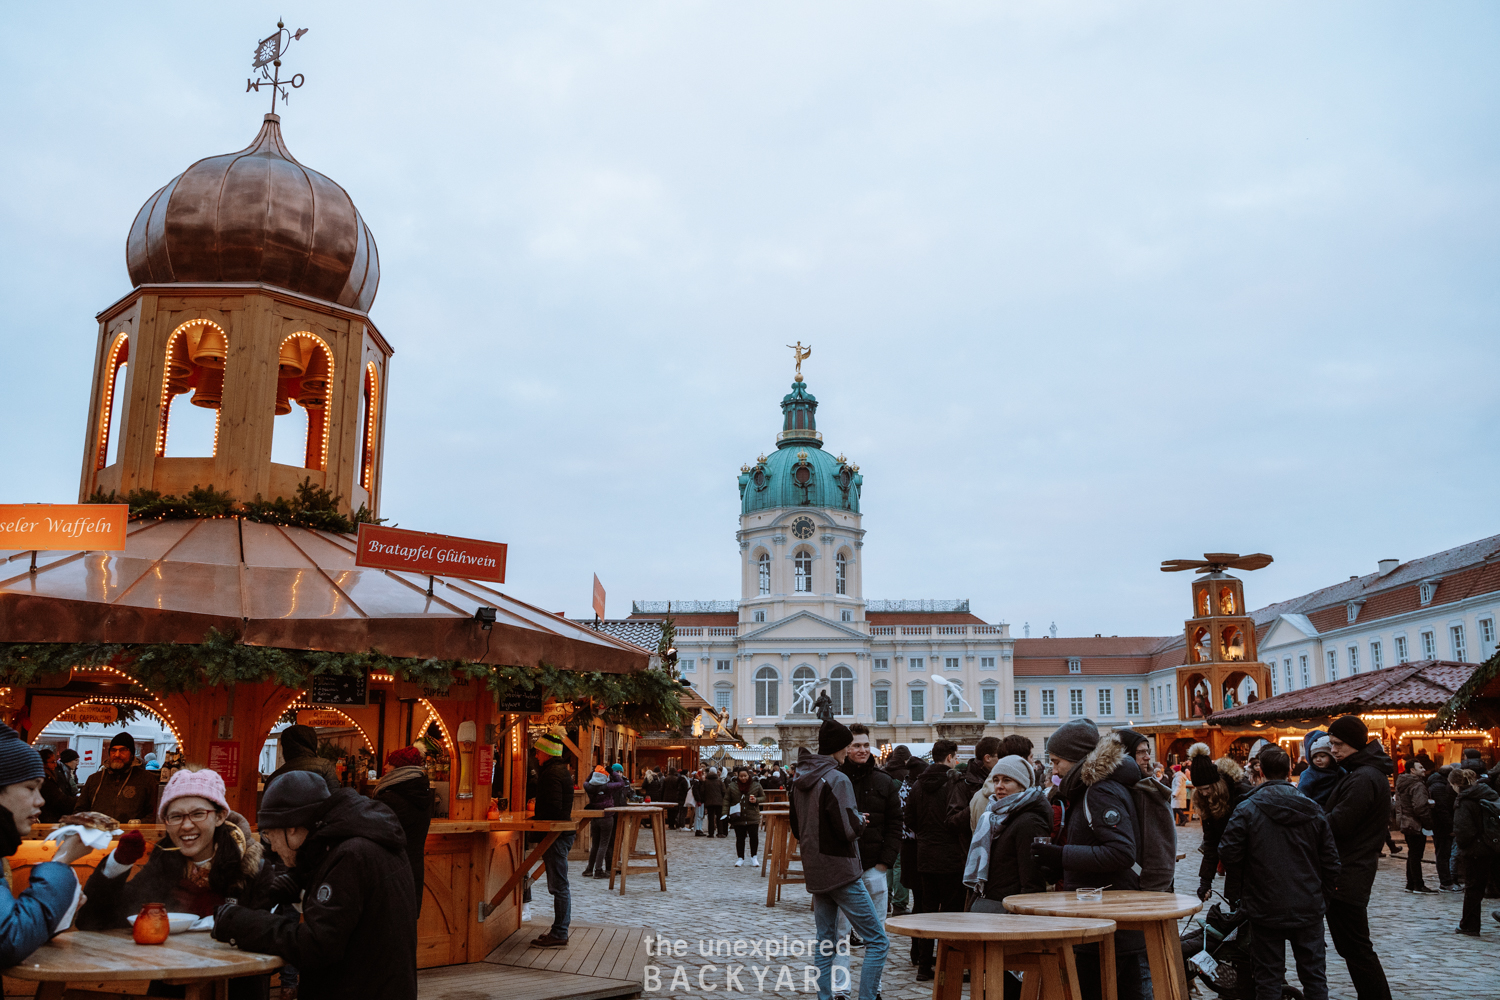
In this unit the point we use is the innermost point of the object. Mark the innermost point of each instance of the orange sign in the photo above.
(66, 526)
(598, 597)
(103, 715)
(430, 555)
(322, 719)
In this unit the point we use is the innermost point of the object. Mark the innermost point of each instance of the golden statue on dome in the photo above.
(802, 354)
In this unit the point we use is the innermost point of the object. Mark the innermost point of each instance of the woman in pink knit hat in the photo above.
(212, 857)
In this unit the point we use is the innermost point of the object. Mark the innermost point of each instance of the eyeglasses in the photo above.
(197, 816)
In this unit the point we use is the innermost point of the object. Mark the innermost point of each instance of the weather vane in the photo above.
(268, 52)
(802, 353)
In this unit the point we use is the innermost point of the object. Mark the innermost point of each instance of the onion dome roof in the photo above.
(800, 473)
(256, 215)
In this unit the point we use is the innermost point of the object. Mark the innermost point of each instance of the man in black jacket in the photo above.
(551, 785)
(879, 801)
(942, 845)
(1359, 811)
(1281, 841)
(356, 937)
(1442, 827)
(121, 788)
(1098, 840)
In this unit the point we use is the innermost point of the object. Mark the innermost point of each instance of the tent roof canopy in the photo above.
(1423, 687)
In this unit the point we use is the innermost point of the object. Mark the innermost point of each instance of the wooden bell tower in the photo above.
(1222, 669)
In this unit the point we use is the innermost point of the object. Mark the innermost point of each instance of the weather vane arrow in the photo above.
(268, 53)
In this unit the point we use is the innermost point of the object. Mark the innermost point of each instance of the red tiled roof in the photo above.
(1423, 686)
(923, 618)
(1128, 654)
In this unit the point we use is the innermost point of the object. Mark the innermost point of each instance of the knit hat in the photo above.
(405, 757)
(205, 784)
(833, 736)
(1201, 766)
(549, 744)
(1351, 730)
(18, 761)
(617, 768)
(67, 756)
(1018, 769)
(1176, 768)
(123, 740)
(296, 798)
(1320, 745)
(1073, 741)
(598, 778)
(1130, 739)
(599, 769)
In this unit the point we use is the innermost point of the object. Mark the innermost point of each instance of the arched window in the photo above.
(767, 690)
(367, 446)
(763, 573)
(802, 569)
(841, 690)
(841, 573)
(195, 357)
(804, 689)
(951, 702)
(112, 406)
(305, 372)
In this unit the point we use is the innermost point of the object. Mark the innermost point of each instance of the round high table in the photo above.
(194, 960)
(1155, 913)
(989, 943)
(627, 827)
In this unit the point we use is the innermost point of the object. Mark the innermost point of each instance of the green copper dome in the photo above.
(799, 473)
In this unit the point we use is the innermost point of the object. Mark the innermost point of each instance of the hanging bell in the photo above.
(209, 349)
(293, 360)
(178, 365)
(177, 386)
(316, 376)
(283, 403)
(210, 391)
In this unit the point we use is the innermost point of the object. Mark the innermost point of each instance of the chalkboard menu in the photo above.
(520, 703)
(334, 690)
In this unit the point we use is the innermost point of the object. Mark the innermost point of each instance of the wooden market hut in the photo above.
(1396, 703)
(1473, 709)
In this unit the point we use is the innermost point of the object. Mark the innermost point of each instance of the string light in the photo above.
(433, 716)
(106, 414)
(166, 397)
(372, 397)
(301, 706)
(318, 342)
(155, 708)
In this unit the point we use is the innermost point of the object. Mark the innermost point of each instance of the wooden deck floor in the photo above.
(599, 962)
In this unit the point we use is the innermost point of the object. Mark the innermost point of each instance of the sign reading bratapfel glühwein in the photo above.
(430, 555)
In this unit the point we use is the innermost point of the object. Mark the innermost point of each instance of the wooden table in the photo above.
(628, 821)
(1155, 913)
(193, 960)
(780, 809)
(778, 853)
(989, 943)
(550, 829)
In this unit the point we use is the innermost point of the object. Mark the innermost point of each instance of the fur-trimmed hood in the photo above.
(1108, 760)
(1230, 768)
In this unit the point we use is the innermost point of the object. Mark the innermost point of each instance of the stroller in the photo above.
(1225, 938)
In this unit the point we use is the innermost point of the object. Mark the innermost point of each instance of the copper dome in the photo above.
(256, 215)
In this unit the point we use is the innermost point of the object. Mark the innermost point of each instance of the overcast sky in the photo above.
(1089, 285)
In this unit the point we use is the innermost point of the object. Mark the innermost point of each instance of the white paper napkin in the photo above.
(97, 839)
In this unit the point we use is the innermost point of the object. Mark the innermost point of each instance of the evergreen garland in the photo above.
(642, 700)
(313, 507)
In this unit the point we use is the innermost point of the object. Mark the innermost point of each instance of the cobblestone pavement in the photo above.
(708, 899)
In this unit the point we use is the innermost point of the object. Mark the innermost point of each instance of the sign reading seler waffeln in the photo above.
(430, 555)
(63, 526)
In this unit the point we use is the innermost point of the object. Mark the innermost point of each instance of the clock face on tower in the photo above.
(803, 528)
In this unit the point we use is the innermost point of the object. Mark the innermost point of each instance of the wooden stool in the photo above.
(628, 827)
(781, 850)
(988, 944)
(765, 844)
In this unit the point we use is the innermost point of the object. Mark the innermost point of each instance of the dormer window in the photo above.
(1352, 609)
(1426, 591)
(1075, 665)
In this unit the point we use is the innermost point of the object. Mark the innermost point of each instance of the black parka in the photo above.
(127, 794)
(1013, 868)
(299, 752)
(551, 785)
(941, 847)
(412, 802)
(1098, 832)
(1359, 811)
(1442, 796)
(1468, 818)
(879, 797)
(1280, 842)
(1216, 802)
(357, 936)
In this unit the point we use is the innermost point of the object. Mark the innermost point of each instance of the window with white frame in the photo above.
(1018, 703)
(882, 663)
(1275, 683)
(918, 698)
(1106, 702)
(841, 690)
(950, 663)
(1075, 702)
(804, 690)
(802, 571)
(1169, 698)
(952, 702)
(1402, 655)
(1426, 591)
(759, 616)
(915, 663)
(723, 666)
(767, 691)
(1486, 637)
(1049, 703)
(1353, 660)
(688, 666)
(1075, 665)
(841, 574)
(1429, 645)
(1287, 669)
(1154, 695)
(1132, 701)
(986, 663)
(1333, 664)
(1456, 639)
(846, 615)
(1377, 659)
(988, 704)
(1302, 662)
(723, 700)
(763, 572)
(882, 704)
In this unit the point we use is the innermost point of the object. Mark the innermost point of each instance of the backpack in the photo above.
(1489, 829)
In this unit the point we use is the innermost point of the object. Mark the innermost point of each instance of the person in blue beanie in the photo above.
(47, 906)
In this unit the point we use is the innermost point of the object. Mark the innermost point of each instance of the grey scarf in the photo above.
(977, 865)
(399, 775)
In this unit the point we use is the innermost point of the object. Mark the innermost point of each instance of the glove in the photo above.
(1049, 856)
(1205, 889)
(130, 848)
(284, 889)
(220, 930)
